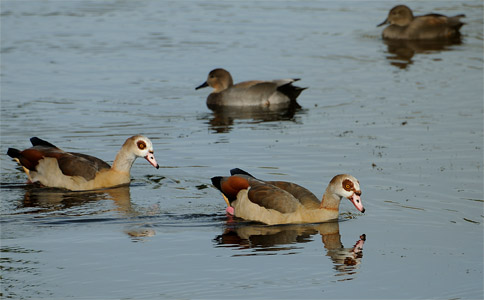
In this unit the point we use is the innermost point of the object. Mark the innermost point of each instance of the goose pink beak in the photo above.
(151, 159)
(356, 200)
(230, 210)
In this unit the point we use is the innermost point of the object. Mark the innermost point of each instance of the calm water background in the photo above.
(85, 75)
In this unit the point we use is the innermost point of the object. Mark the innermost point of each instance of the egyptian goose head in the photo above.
(135, 146)
(343, 186)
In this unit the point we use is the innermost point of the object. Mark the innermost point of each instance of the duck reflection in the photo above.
(222, 119)
(264, 239)
(403, 50)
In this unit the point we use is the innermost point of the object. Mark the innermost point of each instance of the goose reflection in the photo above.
(266, 240)
(47, 200)
(222, 119)
(404, 50)
(52, 199)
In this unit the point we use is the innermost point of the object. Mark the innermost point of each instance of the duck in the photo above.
(404, 26)
(50, 166)
(254, 93)
(281, 202)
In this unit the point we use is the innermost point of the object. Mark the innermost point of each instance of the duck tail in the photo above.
(292, 92)
(238, 171)
(40, 142)
(455, 21)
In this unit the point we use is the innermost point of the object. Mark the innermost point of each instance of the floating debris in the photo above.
(471, 221)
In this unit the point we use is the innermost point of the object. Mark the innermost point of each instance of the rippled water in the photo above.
(406, 120)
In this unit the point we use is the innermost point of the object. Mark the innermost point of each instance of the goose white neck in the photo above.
(330, 200)
(124, 160)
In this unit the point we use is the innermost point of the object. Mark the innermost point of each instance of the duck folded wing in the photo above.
(431, 20)
(259, 89)
(77, 164)
(281, 82)
(267, 88)
(441, 19)
(434, 26)
(272, 197)
(265, 85)
(255, 95)
(248, 84)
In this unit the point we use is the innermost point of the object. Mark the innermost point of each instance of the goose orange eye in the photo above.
(347, 185)
(141, 145)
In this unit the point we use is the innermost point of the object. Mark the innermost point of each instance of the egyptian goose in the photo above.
(280, 92)
(280, 202)
(404, 26)
(52, 167)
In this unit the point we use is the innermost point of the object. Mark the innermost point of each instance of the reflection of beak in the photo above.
(356, 200)
(205, 84)
(383, 23)
(151, 159)
(358, 247)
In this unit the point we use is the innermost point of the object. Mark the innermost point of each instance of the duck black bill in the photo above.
(205, 84)
(382, 23)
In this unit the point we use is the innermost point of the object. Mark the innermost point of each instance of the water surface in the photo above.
(406, 121)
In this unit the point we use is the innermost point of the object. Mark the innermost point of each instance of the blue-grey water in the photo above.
(407, 122)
